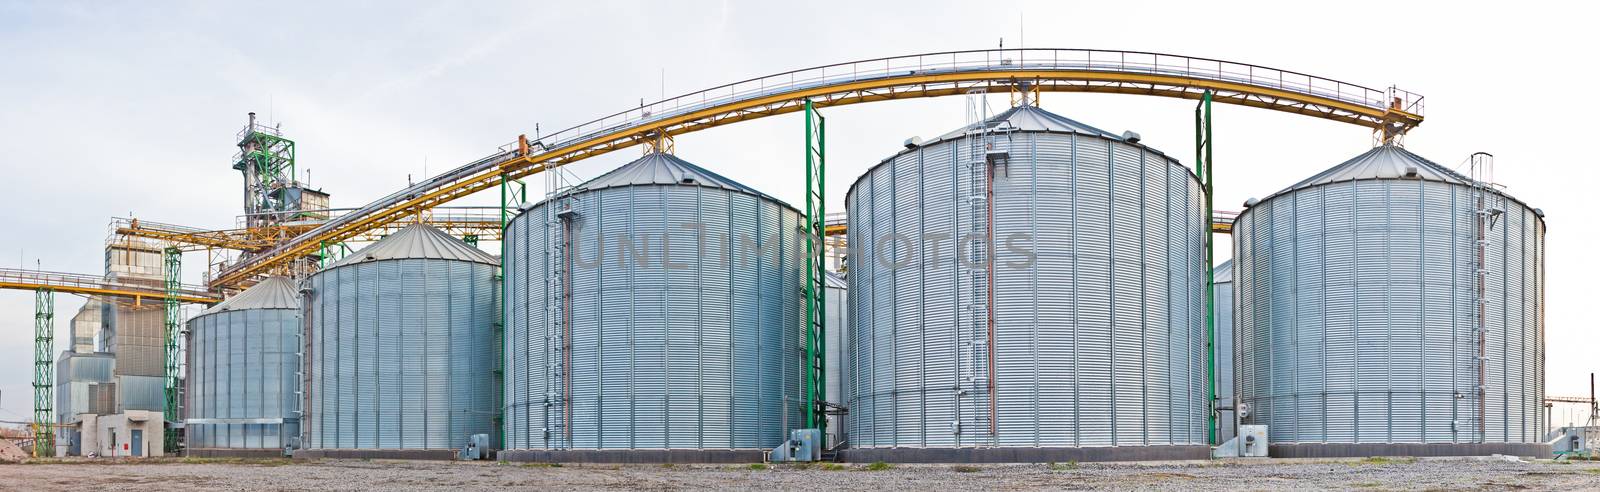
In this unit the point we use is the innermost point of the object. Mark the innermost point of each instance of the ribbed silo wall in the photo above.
(1099, 342)
(1223, 351)
(838, 331)
(243, 379)
(402, 355)
(699, 362)
(1355, 311)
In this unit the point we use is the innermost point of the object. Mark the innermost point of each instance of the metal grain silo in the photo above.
(401, 340)
(655, 315)
(1222, 348)
(244, 366)
(1086, 342)
(837, 332)
(1359, 313)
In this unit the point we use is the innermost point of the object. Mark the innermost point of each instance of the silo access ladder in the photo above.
(988, 146)
(1488, 204)
(559, 214)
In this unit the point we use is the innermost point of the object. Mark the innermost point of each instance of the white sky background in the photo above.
(110, 108)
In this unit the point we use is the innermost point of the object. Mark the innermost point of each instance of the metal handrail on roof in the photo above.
(921, 75)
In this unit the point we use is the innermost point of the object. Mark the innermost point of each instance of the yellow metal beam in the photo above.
(897, 85)
(138, 295)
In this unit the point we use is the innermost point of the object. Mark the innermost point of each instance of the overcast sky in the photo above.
(112, 108)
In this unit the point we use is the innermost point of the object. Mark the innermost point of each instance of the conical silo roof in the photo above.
(1222, 273)
(664, 169)
(836, 281)
(1034, 118)
(272, 293)
(1385, 162)
(419, 241)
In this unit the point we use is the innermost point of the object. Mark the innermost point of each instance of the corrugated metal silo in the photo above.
(244, 362)
(1222, 348)
(655, 315)
(1356, 313)
(1096, 299)
(402, 348)
(838, 330)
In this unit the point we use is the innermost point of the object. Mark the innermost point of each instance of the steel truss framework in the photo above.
(1389, 112)
(44, 313)
(172, 269)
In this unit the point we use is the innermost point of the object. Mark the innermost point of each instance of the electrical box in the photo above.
(1253, 441)
(803, 445)
(477, 448)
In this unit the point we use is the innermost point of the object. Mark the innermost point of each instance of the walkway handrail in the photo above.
(1109, 61)
(923, 75)
(14, 278)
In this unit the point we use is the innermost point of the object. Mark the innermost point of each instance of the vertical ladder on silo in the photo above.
(975, 245)
(1487, 206)
(558, 343)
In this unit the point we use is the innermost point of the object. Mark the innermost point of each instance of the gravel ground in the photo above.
(1377, 474)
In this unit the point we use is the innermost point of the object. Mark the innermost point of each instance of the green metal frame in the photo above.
(272, 156)
(172, 263)
(512, 192)
(816, 391)
(44, 335)
(331, 252)
(1202, 168)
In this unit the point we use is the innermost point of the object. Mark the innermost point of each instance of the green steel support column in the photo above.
(173, 263)
(1202, 168)
(816, 276)
(44, 335)
(508, 195)
(500, 325)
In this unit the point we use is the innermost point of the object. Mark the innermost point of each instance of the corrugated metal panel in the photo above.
(402, 353)
(80, 367)
(140, 393)
(1223, 344)
(697, 356)
(86, 325)
(838, 331)
(1097, 339)
(136, 337)
(1355, 311)
(244, 365)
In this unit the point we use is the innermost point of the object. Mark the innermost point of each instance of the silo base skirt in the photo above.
(233, 453)
(1025, 455)
(381, 454)
(1349, 450)
(635, 455)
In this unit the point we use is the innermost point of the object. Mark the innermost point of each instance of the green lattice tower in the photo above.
(1202, 168)
(512, 192)
(265, 159)
(44, 335)
(173, 268)
(816, 391)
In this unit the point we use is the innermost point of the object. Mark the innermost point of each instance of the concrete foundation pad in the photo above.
(1358, 450)
(232, 453)
(637, 456)
(379, 454)
(1025, 455)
